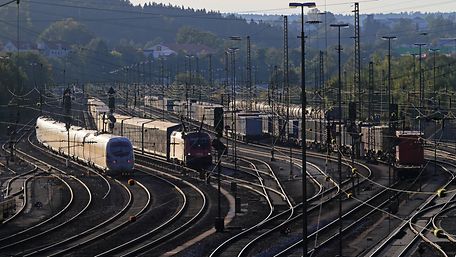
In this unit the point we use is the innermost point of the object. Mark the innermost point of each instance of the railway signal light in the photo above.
(67, 100)
(111, 103)
(352, 111)
(112, 118)
(441, 192)
(112, 121)
(438, 233)
(111, 100)
(111, 91)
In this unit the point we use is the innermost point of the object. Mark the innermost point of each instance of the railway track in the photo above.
(240, 243)
(405, 233)
(345, 189)
(190, 211)
(68, 216)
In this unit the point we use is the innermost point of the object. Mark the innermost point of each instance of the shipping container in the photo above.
(375, 138)
(250, 127)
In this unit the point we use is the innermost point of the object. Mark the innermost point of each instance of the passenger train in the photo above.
(109, 153)
(160, 138)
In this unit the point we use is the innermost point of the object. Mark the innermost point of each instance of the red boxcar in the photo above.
(409, 151)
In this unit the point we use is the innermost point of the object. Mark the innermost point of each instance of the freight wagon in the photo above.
(249, 126)
(409, 153)
(164, 139)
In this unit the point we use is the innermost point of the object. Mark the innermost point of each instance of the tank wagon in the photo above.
(111, 154)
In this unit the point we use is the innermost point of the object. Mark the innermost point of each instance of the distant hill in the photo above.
(117, 20)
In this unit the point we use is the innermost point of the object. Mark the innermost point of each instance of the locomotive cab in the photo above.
(198, 149)
(192, 149)
(119, 155)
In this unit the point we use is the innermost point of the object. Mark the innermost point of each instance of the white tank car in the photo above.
(112, 154)
(279, 108)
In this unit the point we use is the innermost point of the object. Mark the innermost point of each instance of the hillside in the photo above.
(119, 20)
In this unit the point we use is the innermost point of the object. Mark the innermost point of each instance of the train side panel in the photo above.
(85, 145)
(177, 147)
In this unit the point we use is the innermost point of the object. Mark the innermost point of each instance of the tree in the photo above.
(189, 35)
(68, 31)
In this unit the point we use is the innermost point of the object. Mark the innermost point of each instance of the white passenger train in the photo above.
(112, 154)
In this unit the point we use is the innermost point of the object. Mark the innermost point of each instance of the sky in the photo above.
(335, 6)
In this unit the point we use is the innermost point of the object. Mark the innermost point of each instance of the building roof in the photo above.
(194, 49)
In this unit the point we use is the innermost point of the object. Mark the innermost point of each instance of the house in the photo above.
(162, 50)
(192, 49)
(53, 50)
(157, 51)
(10, 47)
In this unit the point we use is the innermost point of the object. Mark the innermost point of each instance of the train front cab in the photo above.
(119, 156)
(198, 150)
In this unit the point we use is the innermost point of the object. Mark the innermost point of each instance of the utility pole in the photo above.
(339, 134)
(232, 51)
(211, 79)
(197, 77)
(249, 72)
(286, 85)
(127, 84)
(414, 55)
(274, 88)
(421, 102)
(218, 145)
(11, 129)
(227, 78)
(321, 93)
(150, 73)
(370, 101)
(136, 86)
(112, 107)
(390, 110)
(382, 92)
(68, 119)
(303, 122)
(188, 83)
(357, 70)
(162, 75)
(42, 82)
(434, 52)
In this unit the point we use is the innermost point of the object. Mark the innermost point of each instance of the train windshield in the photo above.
(199, 142)
(120, 149)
